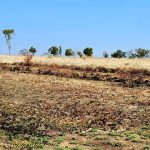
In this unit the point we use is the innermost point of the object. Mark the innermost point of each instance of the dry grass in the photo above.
(93, 62)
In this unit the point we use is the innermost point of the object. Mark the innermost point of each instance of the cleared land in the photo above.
(52, 110)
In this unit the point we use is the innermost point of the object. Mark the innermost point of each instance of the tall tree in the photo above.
(8, 36)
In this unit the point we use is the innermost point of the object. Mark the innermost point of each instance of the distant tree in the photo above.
(131, 54)
(24, 52)
(32, 50)
(54, 50)
(88, 51)
(69, 52)
(118, 54)
(60, 50)
(105, 54)
(8, 36)
(80, 54)
(140, 52)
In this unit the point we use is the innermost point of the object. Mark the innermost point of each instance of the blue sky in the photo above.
(104, 25)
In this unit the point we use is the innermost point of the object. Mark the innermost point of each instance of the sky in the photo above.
(104, 25)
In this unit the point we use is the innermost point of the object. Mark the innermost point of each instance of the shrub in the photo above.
(88, 51)
(69, 52)
(28, 61)
(118, 54)
(54, 50)
(105, 54)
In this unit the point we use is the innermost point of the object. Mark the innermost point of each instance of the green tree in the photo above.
(69, 52)
(140, 52)
(118, 54)
(88, 51)
(8, 36)
(32, 50)
(54, 50)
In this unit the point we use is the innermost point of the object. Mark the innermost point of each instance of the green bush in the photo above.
(69, 52)
(54, 50)
(88, 51)
(118, 54)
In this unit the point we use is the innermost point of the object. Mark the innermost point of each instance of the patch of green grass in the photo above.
(143, 134)
(73, 142)
(146, 127)
(83, 133)
(146, 147)
(62, 148)
(67, 148)
(93, 130)
(115, 134)
(101, 138)
(20, 141)
(98, 148)
(76, 148)
(114, 143)
(133, 137)
(60, 139)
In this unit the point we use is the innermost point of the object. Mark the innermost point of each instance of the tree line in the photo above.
(57, 51)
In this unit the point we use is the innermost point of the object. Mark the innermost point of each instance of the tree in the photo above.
(140, 52)
(131, 54)
(8, 36)
(24, 52)
(54, 50)
(32, 50)
(69, 52)
(105, 54)
(60, 50)
(80, 54)
(118, 54)
(88, 51)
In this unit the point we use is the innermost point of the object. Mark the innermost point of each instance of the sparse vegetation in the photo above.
(34, 114)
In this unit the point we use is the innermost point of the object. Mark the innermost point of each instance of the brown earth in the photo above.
(127, 77)
(46, 100)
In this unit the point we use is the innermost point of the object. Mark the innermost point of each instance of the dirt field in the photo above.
(49, 107)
